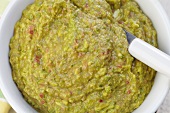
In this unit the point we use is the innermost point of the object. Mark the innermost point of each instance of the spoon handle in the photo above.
(150, 55)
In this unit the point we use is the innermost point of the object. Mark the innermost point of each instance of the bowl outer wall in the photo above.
(13, 13)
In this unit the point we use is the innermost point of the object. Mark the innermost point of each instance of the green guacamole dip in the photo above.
(70, 56)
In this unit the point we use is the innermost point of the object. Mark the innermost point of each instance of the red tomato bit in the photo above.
(37, 59)
(87, 5)
(42, 102)
(127, 82)
(31, 30)
(41, 95)
(100, 101)
(129, 92)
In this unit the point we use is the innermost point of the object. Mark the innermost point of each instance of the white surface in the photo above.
(165, 107)
(151, 7)
(151, 56)
(3, 4)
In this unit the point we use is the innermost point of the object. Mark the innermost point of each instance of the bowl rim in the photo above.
(12, 103)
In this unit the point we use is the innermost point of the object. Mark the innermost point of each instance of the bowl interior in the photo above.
(12, 14)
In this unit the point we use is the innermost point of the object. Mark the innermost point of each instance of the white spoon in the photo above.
(148, 54)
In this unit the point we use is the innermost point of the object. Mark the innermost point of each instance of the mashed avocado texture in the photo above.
(70, 56)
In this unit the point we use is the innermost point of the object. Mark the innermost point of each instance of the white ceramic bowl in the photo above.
(151, 7)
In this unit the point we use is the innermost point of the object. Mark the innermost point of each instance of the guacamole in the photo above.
(70, 56)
